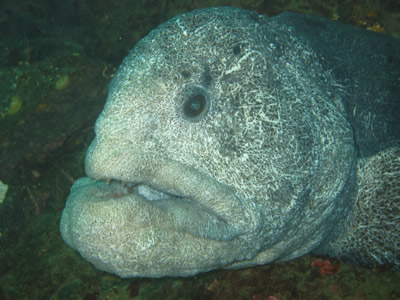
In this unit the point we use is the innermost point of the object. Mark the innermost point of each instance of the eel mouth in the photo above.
(173, 209)
(184, 198)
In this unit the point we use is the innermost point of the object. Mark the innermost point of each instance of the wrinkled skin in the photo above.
(231, 140)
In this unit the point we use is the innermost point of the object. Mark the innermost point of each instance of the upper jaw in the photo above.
(175, 187)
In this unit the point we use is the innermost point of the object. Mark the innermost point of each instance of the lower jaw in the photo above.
(120, 231)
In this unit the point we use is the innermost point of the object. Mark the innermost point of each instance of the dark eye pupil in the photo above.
(196, 102)
(195, 106)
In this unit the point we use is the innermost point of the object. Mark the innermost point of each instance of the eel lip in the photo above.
(168, 209)
(147, 192)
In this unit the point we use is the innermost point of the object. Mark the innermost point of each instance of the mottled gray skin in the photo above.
(295, 109)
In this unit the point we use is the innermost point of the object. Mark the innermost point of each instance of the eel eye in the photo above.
(196, 104)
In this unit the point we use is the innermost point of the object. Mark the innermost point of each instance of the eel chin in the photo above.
(141, 229)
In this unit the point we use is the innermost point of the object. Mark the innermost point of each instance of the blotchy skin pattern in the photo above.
(269, 169)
